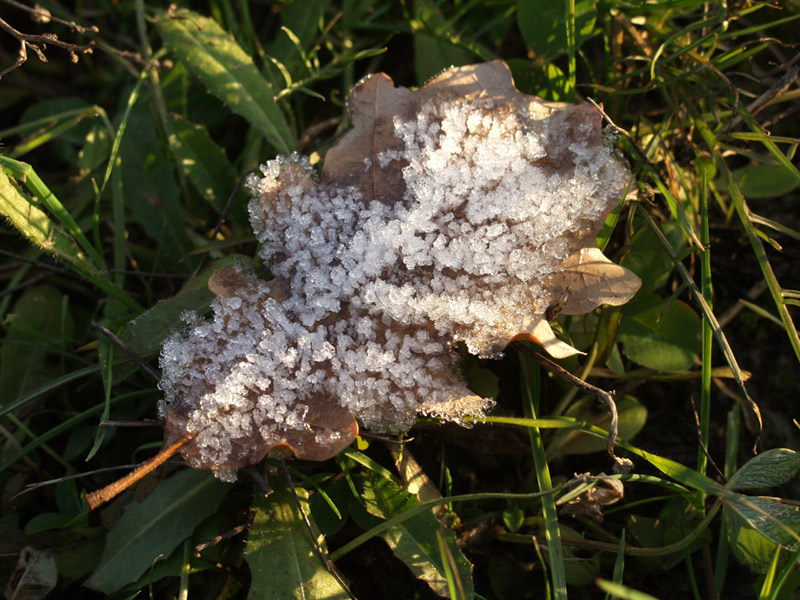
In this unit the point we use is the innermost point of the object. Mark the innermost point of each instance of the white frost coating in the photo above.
(378, 292)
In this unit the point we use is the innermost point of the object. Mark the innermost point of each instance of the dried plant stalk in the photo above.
(109, 492)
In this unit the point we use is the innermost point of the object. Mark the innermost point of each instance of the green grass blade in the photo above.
(66, 426)
(531, 390)
(212, 55)
(619, 562)
(769, 578)
(571, 47)
(617, 590)
(675, 208)
(54, 127)
(743, 212)
(455, 586)
(50, 386)
(788, 569)
(707, 331)
(106, 352)
(708, 313)
(123, 125)
(28, 176)
(40, 230)
(47, 449)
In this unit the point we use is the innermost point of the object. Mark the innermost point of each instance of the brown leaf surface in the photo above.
(458, 212)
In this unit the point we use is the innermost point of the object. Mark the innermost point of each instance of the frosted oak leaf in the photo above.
(458, 212)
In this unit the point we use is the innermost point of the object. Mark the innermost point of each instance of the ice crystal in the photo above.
(459, 212)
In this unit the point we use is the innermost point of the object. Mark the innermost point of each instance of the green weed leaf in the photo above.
(145, 334)
(632, 417)
(432, 55)
(96, 148)
(756, 525)
(151, 191)
(672, 524)
(283, 559)
(649, 259)
(35, 322)
(414, 541)
(38, 577)
(758, 180)
(750, 548)
(545, 81)
(203, 161)
(212, 55)
(768, 469)
(156, 527)
(670, 343)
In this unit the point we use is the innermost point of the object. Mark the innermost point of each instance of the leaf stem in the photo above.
(107, 493)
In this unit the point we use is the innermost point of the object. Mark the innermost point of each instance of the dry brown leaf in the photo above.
(608, 490)
(459, 212)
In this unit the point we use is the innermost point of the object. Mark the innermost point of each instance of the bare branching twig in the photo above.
(621, 465)
(38, 43)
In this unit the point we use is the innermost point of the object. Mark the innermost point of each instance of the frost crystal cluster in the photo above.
(459, 212)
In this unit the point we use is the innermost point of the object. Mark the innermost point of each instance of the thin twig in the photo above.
(764, 99)
(213, 542)
(45, 16)
(33, 40)
(142, 423)
(621, 465)
(702, 442)
(105, 494)
(40, 484)
(130, 353)
(38, 42)
(223, 215)
(33, 261)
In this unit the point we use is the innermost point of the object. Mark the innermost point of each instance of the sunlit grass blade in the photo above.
(531, 391)
(707, 331)
(763, 262)
(40, 230)
(455, 586)
(617, 590)
(675, 208)
(49, 128)
(743, 212)
(783, 576)
(25, 173)
(707, 312)
(769, 577)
